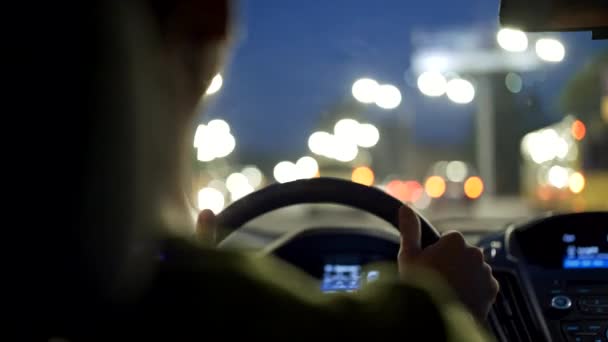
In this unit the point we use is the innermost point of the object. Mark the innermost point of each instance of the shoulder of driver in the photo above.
(232, 292)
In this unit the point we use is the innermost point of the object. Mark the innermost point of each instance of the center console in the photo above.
(557, 279)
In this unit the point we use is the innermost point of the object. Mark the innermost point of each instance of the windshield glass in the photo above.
(430, 100)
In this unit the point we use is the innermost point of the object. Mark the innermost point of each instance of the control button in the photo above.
(593, 327)
(561, 302)
(583, 338)
(572, 328)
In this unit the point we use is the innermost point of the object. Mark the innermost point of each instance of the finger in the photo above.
(409, 226)
(206, 227)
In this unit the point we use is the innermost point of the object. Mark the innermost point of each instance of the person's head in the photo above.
(194, 35)
(145, 66)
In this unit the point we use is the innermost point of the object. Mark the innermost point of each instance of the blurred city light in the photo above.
(558, 176)
(440, 168)
(408, 191)
(237, 181)
(347, 129)
(224, 145)
(456, 171)
(545, 145)
(512, 40)
(513, 82)
(343, 151)
(368, 135)
(396, 188)
(285, 171)
(306, 167)
(318, 142)
(363, 175)
(242, 191)
(254, 176)
(219, 126)
(205, 155)
(435, 186)
(460, 91)
(432, 83)
(473, 187)
(550, 50)
(212, 199)
(576, 182)
(388, 97)
(422, 202)
(238, 185)
(413, 190)
(364, 90)
(578, 130)
(216, 84)
(213, 140)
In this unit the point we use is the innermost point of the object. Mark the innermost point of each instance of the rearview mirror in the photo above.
(555, 15)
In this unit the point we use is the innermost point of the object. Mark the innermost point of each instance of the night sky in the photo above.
(295, 58)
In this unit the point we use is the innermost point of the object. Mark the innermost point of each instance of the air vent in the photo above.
(512, 319)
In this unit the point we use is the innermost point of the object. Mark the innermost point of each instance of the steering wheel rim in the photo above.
(317, 190)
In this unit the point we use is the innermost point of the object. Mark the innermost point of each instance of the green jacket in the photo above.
(208, 291)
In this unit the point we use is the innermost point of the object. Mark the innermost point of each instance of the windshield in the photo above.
(431, 101)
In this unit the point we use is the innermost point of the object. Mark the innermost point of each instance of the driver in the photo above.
(153, 59)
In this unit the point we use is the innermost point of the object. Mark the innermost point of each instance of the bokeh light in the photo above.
(364, 90)
(578, 130)
(550, 50)
(435, 186)
(254, 176)
(432, 83)
(423, 202)
(576, 182)
(319, 142)
(512, 40)
(456, 171)
(388, 97)
(236, 181)
(212, 199)
(558, 176)
(545, 145)
(513, 82)
(285, 171)
(219, 126)
(213, 140)
(460, 91)
(347, 129)
(307, 167)
(363, 175)
(215, 85)
(473, 187)
(368, 135)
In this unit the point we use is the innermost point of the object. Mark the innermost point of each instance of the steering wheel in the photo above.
(317, 190)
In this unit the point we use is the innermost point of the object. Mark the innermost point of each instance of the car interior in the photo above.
(488, 118)
(552, 265)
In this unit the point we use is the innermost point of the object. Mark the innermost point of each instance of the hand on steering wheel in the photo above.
(460, 264)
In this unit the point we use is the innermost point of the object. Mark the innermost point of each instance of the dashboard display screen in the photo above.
(567, 242)
(585, 251)
(345, 278)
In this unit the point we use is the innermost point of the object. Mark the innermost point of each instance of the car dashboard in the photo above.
(553, 272)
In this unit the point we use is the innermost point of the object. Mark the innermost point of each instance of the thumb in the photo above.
(409, 226)
(206, 227)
